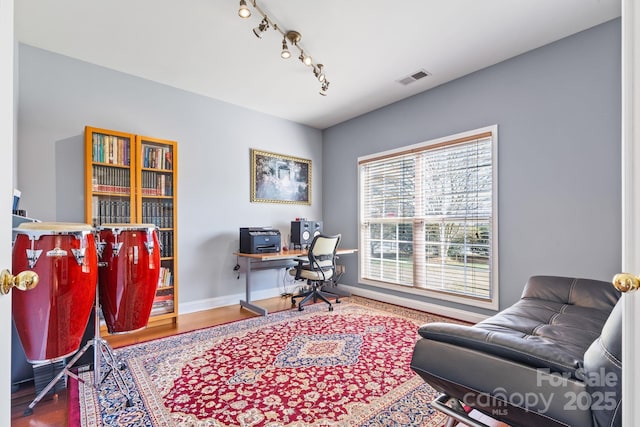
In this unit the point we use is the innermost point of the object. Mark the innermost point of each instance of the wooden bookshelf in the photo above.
(157, 204)
(132, 179)
(109, 177)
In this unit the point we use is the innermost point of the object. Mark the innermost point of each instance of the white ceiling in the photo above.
(202, 46)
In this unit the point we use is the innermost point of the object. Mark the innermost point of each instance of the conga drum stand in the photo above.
(102, 351)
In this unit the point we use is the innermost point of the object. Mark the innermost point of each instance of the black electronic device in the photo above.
(303, 232)
(258, 240)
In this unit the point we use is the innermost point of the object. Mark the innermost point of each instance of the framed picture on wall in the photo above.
(277, 178)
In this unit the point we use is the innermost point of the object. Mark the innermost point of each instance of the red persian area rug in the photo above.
(348, 367)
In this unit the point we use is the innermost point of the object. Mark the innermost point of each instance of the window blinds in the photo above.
(426, 216)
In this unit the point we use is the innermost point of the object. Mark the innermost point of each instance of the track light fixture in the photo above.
(244, 11)
(264, 26)
(324, 88)
(317, 71)
(285, 54)
(292, 37)
(306, 59)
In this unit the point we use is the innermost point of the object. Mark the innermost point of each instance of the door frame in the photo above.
(7, 126)
(630, 207)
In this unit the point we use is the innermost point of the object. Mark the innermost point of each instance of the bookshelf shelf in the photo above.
(110, 193)
(111, 165)
(157, 170)
(132, 179)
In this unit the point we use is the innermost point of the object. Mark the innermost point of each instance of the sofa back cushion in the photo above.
(577, 292)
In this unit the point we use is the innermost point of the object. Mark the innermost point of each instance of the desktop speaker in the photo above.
(303, 232)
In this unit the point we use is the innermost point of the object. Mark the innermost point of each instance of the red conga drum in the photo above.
(52, 317)
(129, 274)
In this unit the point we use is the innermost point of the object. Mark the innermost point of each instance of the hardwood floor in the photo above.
(52, 411)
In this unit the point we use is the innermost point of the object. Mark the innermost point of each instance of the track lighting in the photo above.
(285, 54)
(292, 37)
(264, 26)
(324, 88)
(306, 59)
(317, 71)
(244, 11)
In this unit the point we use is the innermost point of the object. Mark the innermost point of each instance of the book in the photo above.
(16, 199)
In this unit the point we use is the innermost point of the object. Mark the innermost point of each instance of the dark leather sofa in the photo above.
(554, 358)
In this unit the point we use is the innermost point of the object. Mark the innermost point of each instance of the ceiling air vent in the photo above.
(414, 77)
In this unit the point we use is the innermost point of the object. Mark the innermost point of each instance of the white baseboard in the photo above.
(206, 304)
(209, 303)
(455, 313)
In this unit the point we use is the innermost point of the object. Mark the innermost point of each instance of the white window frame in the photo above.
(493, 302)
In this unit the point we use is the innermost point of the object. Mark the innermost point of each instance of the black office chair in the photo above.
(318, 268)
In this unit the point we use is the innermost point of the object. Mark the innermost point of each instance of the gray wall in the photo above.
(558, 114)
(58, 96)
(557, 108)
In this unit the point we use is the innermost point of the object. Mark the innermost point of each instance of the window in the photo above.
(428, 218)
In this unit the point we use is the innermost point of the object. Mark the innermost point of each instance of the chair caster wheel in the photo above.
(338, 301)
(121, 366)
(27, 412)
(330, 308)
(129, 403)
(300, 308)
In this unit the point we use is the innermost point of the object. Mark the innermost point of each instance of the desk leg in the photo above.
(247, 303)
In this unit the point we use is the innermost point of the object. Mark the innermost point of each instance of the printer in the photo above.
(259, 240)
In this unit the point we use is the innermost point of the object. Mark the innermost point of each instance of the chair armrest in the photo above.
(302, 261)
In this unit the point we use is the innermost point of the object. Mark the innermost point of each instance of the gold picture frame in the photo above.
(278, 178)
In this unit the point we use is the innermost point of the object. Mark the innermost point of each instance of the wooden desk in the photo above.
(270, 261)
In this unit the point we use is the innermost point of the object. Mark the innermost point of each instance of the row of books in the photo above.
(158, 212)
(111, 149)
(110, 211)
(164, 280)
(111, 180)
(165, 237)
(156, 184)
(155, 157)
(162, 307)
(164, 299)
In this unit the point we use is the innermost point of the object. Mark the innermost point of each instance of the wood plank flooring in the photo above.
(53, 411)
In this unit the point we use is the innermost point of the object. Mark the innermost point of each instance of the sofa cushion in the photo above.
(551, 327)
